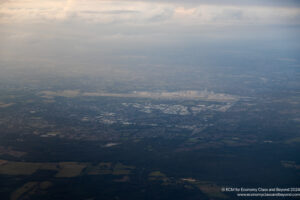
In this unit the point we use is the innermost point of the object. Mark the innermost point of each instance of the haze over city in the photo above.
(148, 99)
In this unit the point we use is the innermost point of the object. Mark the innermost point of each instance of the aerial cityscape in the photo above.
(155, 100)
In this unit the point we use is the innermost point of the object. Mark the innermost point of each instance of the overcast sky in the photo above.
(107, 33)
(145, 12)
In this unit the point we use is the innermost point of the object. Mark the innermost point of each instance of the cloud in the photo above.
(281, 3)
(112, 12)
(117, 32)
(142, 12)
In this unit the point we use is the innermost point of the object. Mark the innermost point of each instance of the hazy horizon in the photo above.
(122, 36)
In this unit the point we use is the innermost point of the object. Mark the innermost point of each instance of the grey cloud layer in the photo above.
(228, 2)
(143, 12)
(97, 33)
